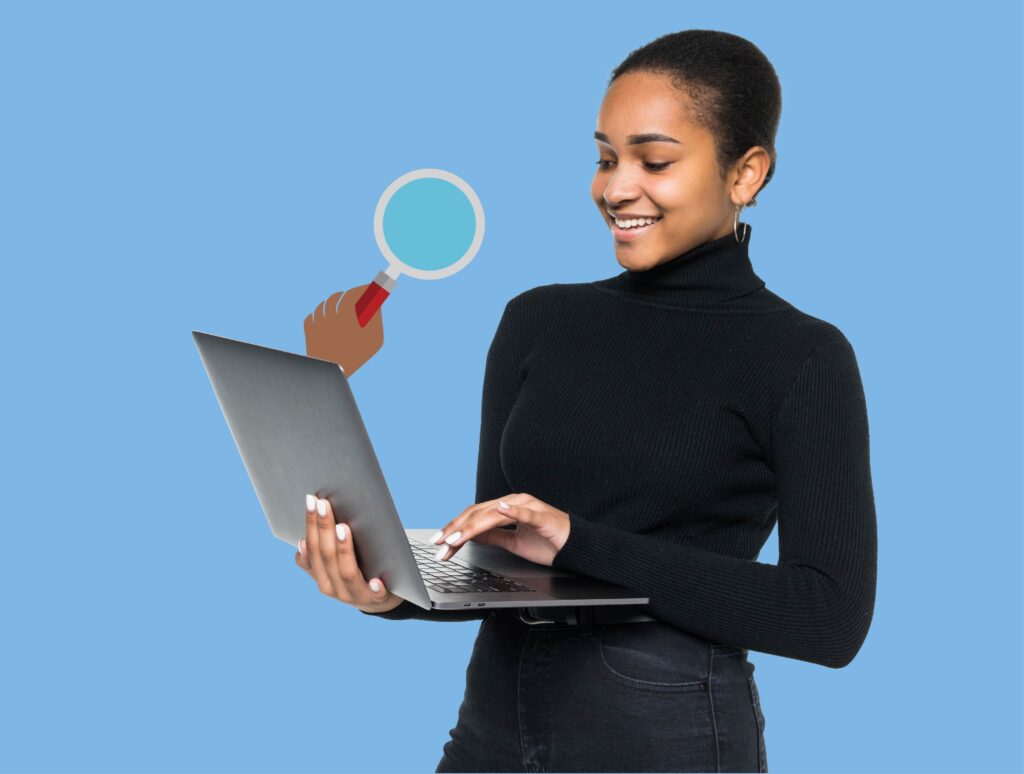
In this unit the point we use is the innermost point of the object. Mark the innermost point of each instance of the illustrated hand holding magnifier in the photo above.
(428, 224)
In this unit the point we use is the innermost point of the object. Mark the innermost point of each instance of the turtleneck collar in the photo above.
(715, 271)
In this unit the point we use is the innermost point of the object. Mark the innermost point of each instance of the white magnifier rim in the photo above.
(395, 264)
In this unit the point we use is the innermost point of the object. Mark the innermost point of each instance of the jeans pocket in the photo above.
(755, 703)
(654, 655)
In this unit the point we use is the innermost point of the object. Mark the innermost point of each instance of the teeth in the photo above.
(635, 222)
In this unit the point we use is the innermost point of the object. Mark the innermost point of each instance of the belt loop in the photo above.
(585, 616)
(533, 618)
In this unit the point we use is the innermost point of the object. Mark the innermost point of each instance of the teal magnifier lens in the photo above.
(429, 224)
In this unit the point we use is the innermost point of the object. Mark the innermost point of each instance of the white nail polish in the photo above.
(453, 537)
(442, 552)
(321, 507)
(374, 585)
(340, 529)
(310, 503)
(436, 536)
(502, 504)
(302, 548)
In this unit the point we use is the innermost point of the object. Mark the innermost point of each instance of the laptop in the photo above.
(298, 429)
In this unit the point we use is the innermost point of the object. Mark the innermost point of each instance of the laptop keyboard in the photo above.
(454, 575)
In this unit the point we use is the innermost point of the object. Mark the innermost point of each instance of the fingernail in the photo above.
(321, 508)
(453, 537)
(436, 536)
(340, 529)
(302, 547)
(375, 585)
(503, 504)
(310, 503)
(442, 552)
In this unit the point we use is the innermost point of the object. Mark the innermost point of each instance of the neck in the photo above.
(712, 272)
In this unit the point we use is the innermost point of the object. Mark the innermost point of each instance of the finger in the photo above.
(482, 521)
(351, 296)
(317, 568)
(344, 569)
(302, 557)
(380, 596)
(459, 521)
(331, 304)
(347, 309)
(453, 529)
(307, 324)
(327, 547)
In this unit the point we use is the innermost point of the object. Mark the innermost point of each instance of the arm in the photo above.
(816, 604)
(501, 387)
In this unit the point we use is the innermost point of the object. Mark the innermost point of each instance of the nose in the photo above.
(620, 188)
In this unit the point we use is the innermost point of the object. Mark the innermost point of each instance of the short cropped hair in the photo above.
(733, 89)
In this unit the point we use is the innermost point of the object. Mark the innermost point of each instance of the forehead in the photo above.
(642, 103)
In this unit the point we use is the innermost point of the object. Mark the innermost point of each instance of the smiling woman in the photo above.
(650, 429)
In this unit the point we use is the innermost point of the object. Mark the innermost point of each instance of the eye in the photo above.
(653, 167)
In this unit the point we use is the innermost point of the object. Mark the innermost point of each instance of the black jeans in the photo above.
(604, 697)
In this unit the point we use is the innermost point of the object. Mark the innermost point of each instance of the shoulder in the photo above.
(826, 375)
(546, 305)
(545, 294)
(802, 332)
(806, 351)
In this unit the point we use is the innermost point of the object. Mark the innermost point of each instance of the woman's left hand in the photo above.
(540, 532)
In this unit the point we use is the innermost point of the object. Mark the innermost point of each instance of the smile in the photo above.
(629, 234)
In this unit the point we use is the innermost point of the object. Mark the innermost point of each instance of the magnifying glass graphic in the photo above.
(429, 224)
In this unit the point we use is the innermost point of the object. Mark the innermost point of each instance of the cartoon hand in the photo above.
(540, 531)
(333, 332)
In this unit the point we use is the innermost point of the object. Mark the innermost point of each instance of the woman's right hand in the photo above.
(328, 557)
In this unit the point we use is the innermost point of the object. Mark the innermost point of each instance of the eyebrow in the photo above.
(639, 139)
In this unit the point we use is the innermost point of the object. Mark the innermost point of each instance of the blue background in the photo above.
(215, 166)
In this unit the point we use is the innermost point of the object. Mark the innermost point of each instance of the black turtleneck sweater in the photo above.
(677, 414)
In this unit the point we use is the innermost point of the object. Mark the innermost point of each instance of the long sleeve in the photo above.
(817, 602)
(501, 386)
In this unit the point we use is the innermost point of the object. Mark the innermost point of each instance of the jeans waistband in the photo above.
(577, 615)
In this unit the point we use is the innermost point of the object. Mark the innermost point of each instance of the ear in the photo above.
(750, 174)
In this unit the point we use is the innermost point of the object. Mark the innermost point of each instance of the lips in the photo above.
(629, 234)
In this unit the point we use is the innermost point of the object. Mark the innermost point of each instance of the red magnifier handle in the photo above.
(373, 297)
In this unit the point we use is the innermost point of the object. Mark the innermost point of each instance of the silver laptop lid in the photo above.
(298, 429)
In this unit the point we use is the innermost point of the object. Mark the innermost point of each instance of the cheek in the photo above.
(676, 194)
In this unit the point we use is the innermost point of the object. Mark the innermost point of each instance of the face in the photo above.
(671, 175)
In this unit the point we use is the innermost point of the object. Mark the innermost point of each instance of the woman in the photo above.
(649, 429)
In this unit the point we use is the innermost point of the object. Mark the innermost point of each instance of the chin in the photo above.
(634, 262)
